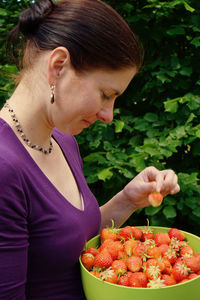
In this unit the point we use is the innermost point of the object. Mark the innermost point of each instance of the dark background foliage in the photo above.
(156, 120)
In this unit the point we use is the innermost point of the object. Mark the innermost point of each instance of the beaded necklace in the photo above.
(22, 134)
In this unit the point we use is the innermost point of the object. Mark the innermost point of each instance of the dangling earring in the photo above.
(52, 93)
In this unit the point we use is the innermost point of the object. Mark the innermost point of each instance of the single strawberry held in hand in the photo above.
(155, 199)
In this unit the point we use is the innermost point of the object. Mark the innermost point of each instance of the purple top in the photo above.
(41, 233)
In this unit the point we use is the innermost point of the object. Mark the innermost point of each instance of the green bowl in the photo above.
(97, 289)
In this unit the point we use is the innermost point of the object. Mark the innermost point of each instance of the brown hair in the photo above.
(95, 35)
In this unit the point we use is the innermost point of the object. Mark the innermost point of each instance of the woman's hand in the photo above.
(147, 181)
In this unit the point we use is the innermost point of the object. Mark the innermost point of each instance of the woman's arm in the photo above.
(135, 195)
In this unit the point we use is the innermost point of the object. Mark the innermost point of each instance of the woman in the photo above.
(79, 55)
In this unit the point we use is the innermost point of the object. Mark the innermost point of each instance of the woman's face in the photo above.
(82, 99)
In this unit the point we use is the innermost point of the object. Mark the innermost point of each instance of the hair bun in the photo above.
(30, 18)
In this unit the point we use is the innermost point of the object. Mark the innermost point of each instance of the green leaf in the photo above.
(169, 200)
(151, 117)
(151, 211)
(127, 173)
(138, 161)
(169, 212)
(94, 157)
(105, 174)
(141, 125)
(3, 12)
(119, 125)
(196, 212)
(186, 71)
(196, 42)
(176, 30)
(188, 7)
(163, 78)
(171, 106)
(190, 118)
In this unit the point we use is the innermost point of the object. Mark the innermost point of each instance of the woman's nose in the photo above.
(106, 113)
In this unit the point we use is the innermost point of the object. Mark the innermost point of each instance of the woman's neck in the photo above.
(29, 106)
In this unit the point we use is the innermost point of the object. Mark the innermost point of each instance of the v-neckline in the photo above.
(44, 175)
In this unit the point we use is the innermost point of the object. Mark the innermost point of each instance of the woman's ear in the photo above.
(58, 60)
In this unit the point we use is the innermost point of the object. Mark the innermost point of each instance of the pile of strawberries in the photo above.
(139, 258)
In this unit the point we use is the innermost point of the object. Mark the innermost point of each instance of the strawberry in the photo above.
(123, 280)
(133, 282)
(168, 279)
(180, 271)
(129, 245)
(162, 238)
(163, 248)
(113, 247)
(106, 244)
(193, 263)
(140, 250)
(93, 251)
(138, 279)
(126, 233)
(186, 251)
(87, 260)
(168, 266)
(192, 275)
(119, 267)
(103, 259)
(95, 273)
(154, 266)
(137, 233)
(122, 255)
(141, 277)
(154, 252)
(175, 244)
(176, 233)
(147, 233)
(155, 199)
(153, 272)
(109, 275)
(134, 263)
(182, 244)
(110, 233)
(184, 280)
(156, 283)
(171, 255)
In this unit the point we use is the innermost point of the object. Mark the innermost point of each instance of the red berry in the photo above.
(162, 238)
(180, 271)
(168, 279)
(155, 199)
(137, 233)
(134, 263)
(119, 267)
(176, 233)
(126, 233)
(103, 259)
(123, 280)
(109, 275)
(193, 263)
(87, 260)
(138, 279)
(186, 251)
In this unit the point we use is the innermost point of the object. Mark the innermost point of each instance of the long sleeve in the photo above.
(13, 234)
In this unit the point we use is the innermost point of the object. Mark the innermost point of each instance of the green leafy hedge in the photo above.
(156, 120)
